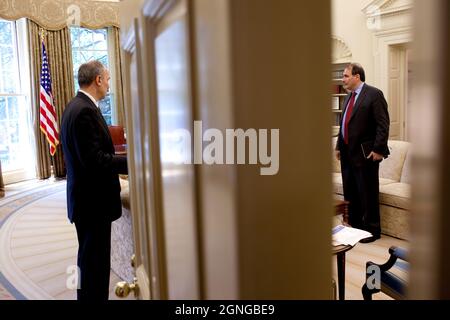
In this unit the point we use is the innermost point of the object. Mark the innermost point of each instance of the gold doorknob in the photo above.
(124, 288)
(133, 260)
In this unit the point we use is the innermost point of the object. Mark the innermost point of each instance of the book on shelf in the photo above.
(337, 74)
(337, 118)
(335, 103)
(335, 89)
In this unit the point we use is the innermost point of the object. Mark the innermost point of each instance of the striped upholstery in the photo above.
(393, 275)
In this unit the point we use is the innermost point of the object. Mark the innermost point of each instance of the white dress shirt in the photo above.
(90, 97)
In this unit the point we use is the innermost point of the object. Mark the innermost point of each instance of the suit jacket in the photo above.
(369, 121)
(93, 188)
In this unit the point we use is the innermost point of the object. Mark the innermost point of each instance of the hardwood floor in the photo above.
(356, 264)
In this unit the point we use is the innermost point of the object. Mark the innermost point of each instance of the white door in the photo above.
(175, 116)
(162, 187)
(397, 82)
(139, 204)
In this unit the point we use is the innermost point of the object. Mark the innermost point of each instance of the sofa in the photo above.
(395, 189)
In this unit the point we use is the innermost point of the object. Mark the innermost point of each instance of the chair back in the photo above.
(117, 135)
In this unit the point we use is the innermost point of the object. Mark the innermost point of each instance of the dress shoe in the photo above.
(369, 239)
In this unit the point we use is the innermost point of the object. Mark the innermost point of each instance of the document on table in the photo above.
(342, 235)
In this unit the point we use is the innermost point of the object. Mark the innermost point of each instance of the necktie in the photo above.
(348, 115)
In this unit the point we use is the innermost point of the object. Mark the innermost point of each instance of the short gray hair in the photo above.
(89, 71)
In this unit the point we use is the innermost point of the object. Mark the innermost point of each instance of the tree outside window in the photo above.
(92, 45)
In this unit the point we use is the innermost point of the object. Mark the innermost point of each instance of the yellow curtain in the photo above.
(58, 46)
(116, 71)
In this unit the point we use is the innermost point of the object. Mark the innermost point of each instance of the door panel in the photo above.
(396, 83)
(247, 231)
(162, 188)
(138, 162)
(134, 107)
(178, 185)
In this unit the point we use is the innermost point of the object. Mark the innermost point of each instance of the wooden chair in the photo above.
(393, 275)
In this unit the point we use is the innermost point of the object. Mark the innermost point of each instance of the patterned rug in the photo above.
(38, 245)
(9, 205)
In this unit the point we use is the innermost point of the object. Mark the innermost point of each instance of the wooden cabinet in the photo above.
(338, 94)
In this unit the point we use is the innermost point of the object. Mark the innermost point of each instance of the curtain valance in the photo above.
(57, 14)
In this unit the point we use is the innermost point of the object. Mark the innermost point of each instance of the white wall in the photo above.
(349, 24)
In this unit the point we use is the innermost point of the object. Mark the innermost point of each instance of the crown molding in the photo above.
(377, 8)
(128, 41)
(155, 9)
(383, 15)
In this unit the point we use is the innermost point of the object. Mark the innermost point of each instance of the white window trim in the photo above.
(25, 88)
(111, 60)
(113, 88)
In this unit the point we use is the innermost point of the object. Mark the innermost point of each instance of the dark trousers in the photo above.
(94, 259)
(361, 189)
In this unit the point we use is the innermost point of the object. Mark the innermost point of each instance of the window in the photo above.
(92, 45)
(15, 113)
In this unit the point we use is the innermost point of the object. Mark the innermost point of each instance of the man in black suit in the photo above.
(365, 123)
(93, 188)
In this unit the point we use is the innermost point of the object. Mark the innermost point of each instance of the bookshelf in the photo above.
(338, 94)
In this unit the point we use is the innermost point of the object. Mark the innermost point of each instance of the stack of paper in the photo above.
(342, 235)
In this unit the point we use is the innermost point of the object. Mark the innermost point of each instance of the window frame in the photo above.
(20, 44)
(110, 57)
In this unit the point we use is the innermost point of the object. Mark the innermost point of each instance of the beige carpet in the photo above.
(38, 245)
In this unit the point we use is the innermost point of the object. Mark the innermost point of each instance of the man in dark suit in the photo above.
(93, 188)
(364, 125)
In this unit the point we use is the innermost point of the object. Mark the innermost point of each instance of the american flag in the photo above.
(48, 122)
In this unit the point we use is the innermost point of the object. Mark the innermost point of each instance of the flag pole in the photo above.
(47, 101)
(42, 33)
